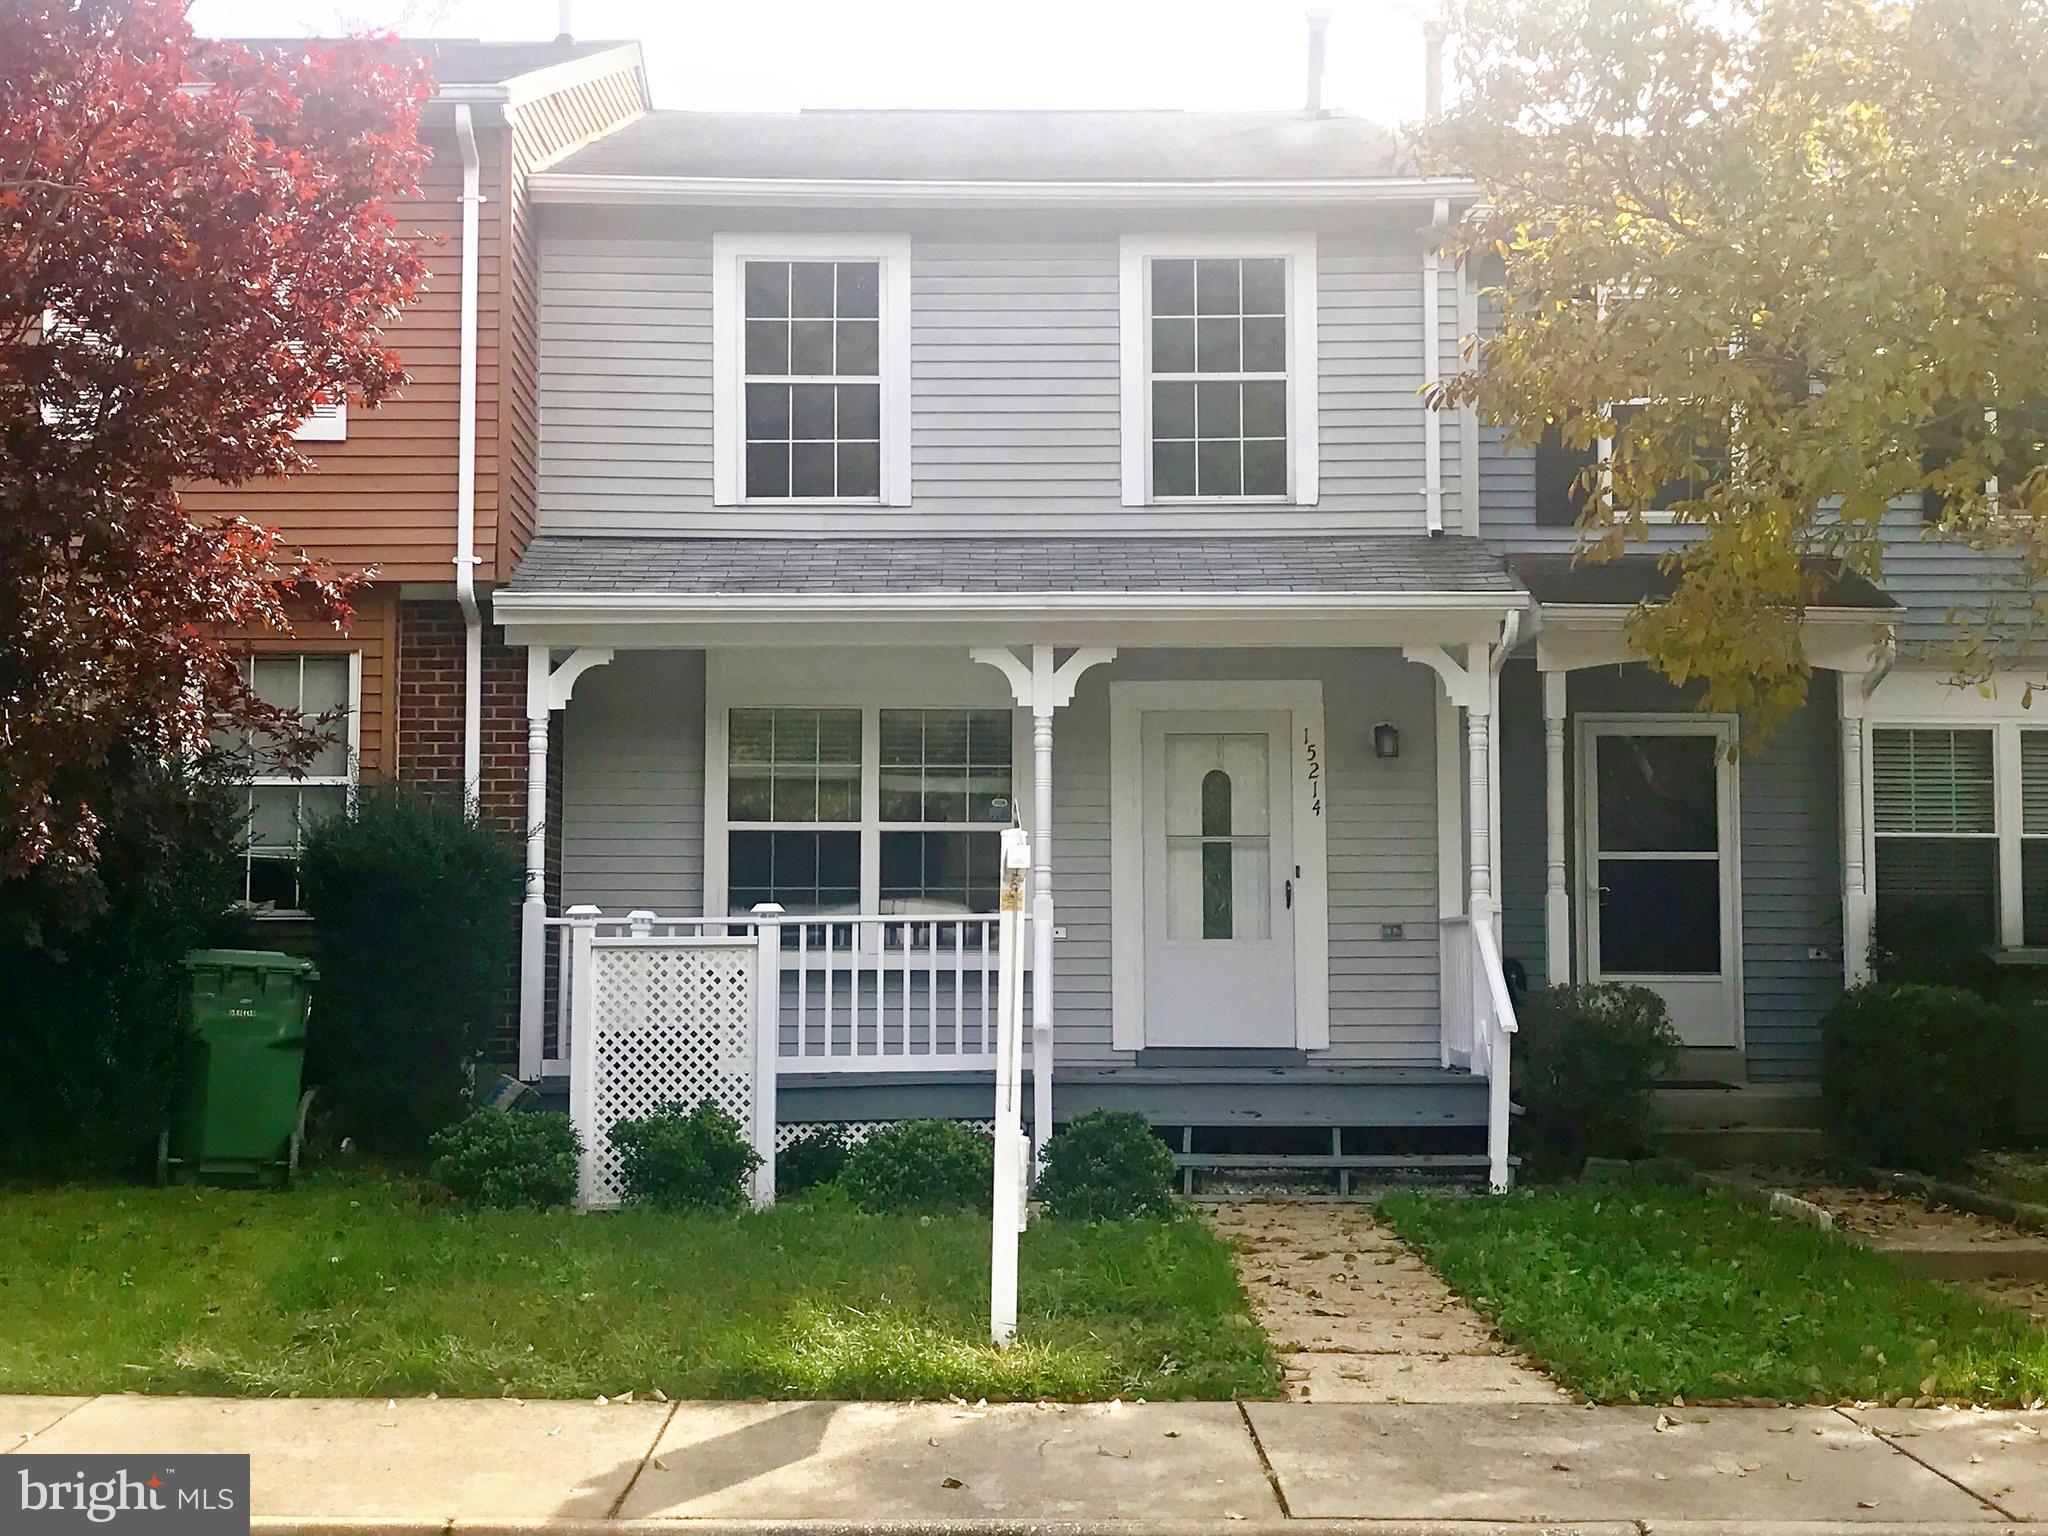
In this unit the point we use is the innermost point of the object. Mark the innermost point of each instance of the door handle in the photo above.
(1290, 894)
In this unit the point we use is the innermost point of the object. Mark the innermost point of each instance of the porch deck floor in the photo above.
(1359, 1318)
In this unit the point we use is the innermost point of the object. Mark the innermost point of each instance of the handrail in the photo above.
(1496, 978)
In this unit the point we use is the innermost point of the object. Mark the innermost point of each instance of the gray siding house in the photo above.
(906, 476)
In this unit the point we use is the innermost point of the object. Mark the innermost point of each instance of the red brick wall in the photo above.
(430, 685)
(429, 737)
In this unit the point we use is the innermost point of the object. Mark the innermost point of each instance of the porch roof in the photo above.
(1568, 581)
(1366, 565)
(1251, 589)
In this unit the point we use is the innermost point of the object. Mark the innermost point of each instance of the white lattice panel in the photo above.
(857, 1131)
(674, 1025)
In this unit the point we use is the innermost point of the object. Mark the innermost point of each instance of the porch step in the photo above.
(1727, 1146)
(1229, 1175)
(1715, 1106)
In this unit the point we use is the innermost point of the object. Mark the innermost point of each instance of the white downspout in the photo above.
(465, 478)
(1432, 363)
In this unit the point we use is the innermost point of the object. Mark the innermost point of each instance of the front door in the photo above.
(1657, 807)
(1219, 878)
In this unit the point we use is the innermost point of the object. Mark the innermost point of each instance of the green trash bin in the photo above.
(2023, 992)
(239, 1117)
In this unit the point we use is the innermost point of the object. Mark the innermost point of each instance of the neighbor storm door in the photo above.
(1658, 867)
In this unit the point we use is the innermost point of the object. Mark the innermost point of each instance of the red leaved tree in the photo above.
(197, 243)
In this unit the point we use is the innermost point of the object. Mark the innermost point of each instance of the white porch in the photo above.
(1363, 905)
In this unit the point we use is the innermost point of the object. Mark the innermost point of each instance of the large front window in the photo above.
(894, 811)
(1934, 814)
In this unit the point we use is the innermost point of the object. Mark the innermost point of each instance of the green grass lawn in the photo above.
(1645, 1294)
(364, 1285)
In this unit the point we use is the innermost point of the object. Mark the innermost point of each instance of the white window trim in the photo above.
(721, 697)
(1302, 700)
(1134, 355)
(728, 351)
(352, 737)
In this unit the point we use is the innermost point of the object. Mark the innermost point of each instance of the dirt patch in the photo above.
(1358, 1317)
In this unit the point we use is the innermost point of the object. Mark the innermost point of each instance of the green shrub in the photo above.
(921, 1164)
(675, 1159)
(1584, 1065)
(1934, 943)
(416, 906)
(1107, 1165)
(501, 1158)
(90, 1034)
(815, 1158)
(1916, 1076)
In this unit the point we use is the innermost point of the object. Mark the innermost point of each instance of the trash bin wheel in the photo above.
(291, 1160)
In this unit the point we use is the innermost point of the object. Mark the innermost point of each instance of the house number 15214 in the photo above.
(1312, 756)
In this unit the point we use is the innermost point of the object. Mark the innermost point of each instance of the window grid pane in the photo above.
(813, 380)
(792, 766)
(283, 805)
(1219, 376)
(946, 765)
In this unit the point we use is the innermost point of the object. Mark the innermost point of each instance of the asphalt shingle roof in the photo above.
(1632, 579)
(1382, 564)
(462, 60)
(1041, 146)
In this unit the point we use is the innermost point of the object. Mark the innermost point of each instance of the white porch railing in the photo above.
(853, 993)
(1478, 1022)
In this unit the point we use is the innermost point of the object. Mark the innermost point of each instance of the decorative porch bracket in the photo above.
(547, 689)
(1043, 688)
(1469, 686)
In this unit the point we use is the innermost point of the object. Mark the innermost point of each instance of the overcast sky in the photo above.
(782, 54)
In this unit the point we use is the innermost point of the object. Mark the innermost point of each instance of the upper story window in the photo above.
(1219, 369)
(810, 357)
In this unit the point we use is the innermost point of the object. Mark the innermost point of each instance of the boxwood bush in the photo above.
(679, 1159)
(415, 905)
(1107, 1165)
(503, 1158)
(814, 1158)
(921, 1165)
(1916, 1076)
(1585, 1063)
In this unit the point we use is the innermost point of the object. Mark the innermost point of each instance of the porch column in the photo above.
(547, 690)
(1857, 907)
(533, 907)
(1043, 688)
(1557, 901)
(1479, 791)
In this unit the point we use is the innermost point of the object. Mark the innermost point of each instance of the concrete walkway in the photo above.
(396, 1468)
(1357, 1317)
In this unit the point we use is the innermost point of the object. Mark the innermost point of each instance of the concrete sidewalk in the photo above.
(380, 1468)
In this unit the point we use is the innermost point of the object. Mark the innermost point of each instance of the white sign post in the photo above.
(1013, 1155)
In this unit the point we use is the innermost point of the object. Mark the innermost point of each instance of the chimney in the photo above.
(564, 25)
(1432, 70)
(1318, 46)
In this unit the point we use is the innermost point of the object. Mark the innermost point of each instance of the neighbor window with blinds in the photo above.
(909, 804)
(1934, 812)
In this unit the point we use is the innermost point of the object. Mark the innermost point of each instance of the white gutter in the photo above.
(539, 607)
(465, 476)
(847, 192)
(1432, 361)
